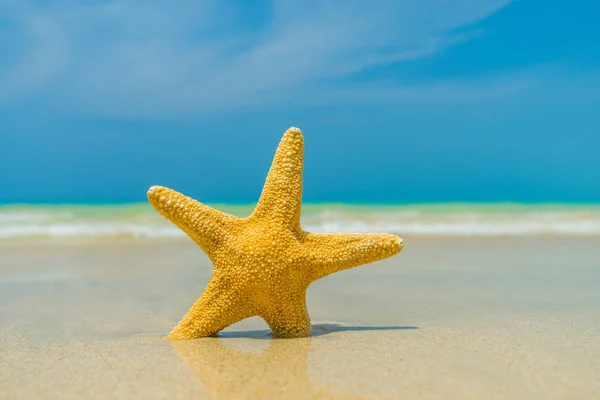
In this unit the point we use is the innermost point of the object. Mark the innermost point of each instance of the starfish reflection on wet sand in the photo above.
(264, 263)
(278, 372)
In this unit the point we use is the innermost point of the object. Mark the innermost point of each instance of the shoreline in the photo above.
(182, 239)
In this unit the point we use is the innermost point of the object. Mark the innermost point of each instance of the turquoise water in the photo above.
(461, 219)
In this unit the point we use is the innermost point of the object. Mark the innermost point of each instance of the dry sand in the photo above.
(448, 318)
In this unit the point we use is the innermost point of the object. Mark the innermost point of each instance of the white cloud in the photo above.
(152, 57)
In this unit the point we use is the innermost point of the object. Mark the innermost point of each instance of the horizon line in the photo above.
(315, 203)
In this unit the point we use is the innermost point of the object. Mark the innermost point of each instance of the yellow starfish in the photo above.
(263, 264)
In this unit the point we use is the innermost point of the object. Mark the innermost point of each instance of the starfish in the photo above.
(264, 263)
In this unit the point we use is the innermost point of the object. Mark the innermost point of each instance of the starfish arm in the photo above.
(329, 253)
(289, 317)
(281, 197)
(216, 309)
(205, 225)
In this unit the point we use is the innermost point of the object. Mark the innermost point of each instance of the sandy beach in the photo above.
(448, 318)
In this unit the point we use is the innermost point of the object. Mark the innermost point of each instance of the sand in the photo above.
(448, 318)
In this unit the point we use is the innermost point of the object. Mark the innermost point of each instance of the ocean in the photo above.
(454, 219)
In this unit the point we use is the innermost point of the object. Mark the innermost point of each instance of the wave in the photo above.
(444, 220)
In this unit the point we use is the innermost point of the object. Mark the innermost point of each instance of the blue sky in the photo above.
(400, 101)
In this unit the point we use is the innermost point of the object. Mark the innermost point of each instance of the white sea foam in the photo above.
(141, 221)
(88, 230)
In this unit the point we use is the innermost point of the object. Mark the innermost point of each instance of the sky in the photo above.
(400, 101)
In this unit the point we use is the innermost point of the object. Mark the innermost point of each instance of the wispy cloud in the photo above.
(149, 57)
(37, 54)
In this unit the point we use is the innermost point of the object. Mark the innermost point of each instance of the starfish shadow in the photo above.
(317, 330)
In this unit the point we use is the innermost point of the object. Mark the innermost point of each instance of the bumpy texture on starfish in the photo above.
(264, 263)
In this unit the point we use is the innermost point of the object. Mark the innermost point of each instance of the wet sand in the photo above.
(451, 318)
